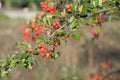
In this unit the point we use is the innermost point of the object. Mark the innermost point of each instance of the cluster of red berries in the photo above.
(105, 75)
(26, 33)
(107, 65)
(44, 52)
(96, 76)
(38, 31)
(55, 24)
(33, 31)
(45, 7)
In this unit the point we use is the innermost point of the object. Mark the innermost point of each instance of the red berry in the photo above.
(56, 27)
(54, 23)
(103, 66)
(45, 50)
(99, 20)
(46, 3)
(42, 49)
(46, 58)
(38, 52)
(30, 49)
(41, 3)
(36, 34)
(50, 53)
(56, 44)
(42, 54)
(63, 37)
(103, 1)
(39, 45)
(67, 6)
(95, 34)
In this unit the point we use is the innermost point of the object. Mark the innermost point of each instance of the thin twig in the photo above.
(104, 10)
(56, 31)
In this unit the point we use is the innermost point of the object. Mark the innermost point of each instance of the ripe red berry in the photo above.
(56, 44)
(99, 19)
(63, 37)
(30, 49)
(50, 53)
(41, 3)
(36, 34)
(67, 6)
(94, 32)
(46, 3)
(42, 49)
(45, 50)
(103, 66)
(42, 54)
(46, 58)
(103, 1)
(38, 52)
(39, 45)
(54, 23)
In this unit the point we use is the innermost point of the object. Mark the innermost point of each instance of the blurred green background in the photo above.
(78, 58)
(20, 3)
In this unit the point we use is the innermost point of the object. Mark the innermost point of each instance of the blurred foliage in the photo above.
(3, 16)
(21, 3)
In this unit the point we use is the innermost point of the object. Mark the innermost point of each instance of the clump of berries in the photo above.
(55, 24)
(46, 7)
(105, 73)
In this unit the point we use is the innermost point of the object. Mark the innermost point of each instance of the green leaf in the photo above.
(40, 40)
(56, 14)
(99, 31)
(82, 21)
(51, 42)
(49, 19)
(35, 51)
(55, 55)
(4, 74)
(28, 22)
(3, 63)
(73, 25)
(45, 20)
(21, 64)
(23, 45)
(76, 36)
(59, 32)
(13, 64)
(30, 62)
(100, 2)
(71, 19)
(74, 8)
